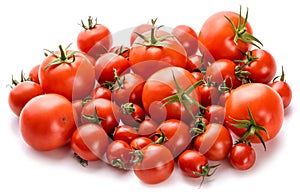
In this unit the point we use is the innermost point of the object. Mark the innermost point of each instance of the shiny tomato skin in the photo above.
(161, 85)
(147, 127)
(73, 80)
(101, 92)
(217, 36)
(215, 114)
(34, 74)
(21, 94)
(215, 143)
(119, 154)
(135, 118)
(156, 165)
(140, 142)
(242, 156)
(142, 28)
(191, 161)
(47, 122)
(125, 133)
(89, 141)
(94, 41)
(208, 94)
(187, 37)
(264, 104)
(284, 90)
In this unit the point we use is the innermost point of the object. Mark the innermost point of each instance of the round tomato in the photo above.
(147, 127)
(21, 94)
(226, 35)
(154, 164)
(187, 37)
(101, 92)
(215, 143)
(132, 114)
(101, 111)
(68, 73)
(89, 141)
(242, 156)
(47, 122)
(140, 29)
(34, 74)
(170, 94)
(208, 94)
(215, 114)
(140, 142)
(95, 39)
(125, 133)
(254, 112)
(119, 154)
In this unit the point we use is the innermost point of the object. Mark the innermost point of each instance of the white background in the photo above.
(27, 27)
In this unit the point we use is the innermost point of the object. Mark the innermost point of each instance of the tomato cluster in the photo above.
(170, 98)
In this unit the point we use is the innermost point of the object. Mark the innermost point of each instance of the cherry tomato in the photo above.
(47, 122)
(101, 92)
(215, 114)
(132, 114)
(155, 165)
(225, 34)
(119, 154)
(261, 106)
(187, 37)
(20, 94)
(215, 143)
(147, 127)
(208, 94)
(125, 133)
(89, 141)
(101, 111)
(34, 74)
(95, 39)
(242, 156)
(140, 142)
(68, 73)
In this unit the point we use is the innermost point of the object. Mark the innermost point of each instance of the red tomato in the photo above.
(208, 94)
(261, 66)
(125, 133)
(95, 39)
(147, 127)
(68, 73)
(175, 135)
(107, 64)
(284, 90)
(215, 114)
(150, 55)
(242, 156)
(215, 143)
(89, 141)
(132, 114)
(47, 122)
(120, 50)
(21, 94)
(260, 105)
(128, 88)
(119, 154)
(140, 142)
(34, 74)
(101, 92)
(155, 165)
(101, 111)
(187, 37)
(223, 70)
(225, 34)
(161, 85)
(142, 28)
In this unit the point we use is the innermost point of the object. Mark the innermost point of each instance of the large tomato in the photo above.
(68, 73)
(225, 34)
(156, 50)
(168, 82)
(47, 122)
(261, 106)
(95, 39)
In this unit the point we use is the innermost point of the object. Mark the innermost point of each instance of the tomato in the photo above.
(147, 127)
(68, 73)
(101, 111)
(107, 64)
(215, 113)
(95, 39)
(120, 50)
(101, 92)
(282, 88)
(171, 82)
(21, 94)
(89, 141)
(125, 133)
(47, 122)
(242, 156)
(223, 70)
(158, 49)
(260, 65)
(155, 164)
(208, 94)
(187, 37)
(34, 74)
(215, 143)
(226, 35)
(175, 135)
(132, 114)
(119, 154)
(140, 142)
(261, 106)
(142, 28)
(128, 88)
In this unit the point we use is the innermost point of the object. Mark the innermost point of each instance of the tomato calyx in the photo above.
(161, 137)
(252, 129)
(241, 33)
(206, 171)
(93, 118)
(15, 82)
(119, 83)
(82, 161)
(61, 57)
(241, 74)
(118, 163)
(282, 76)
(127, 108)
(224, 88)
(199, 126)
(183, 96)
(90, 25)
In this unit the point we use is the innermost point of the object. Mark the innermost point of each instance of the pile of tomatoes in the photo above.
(169, 99)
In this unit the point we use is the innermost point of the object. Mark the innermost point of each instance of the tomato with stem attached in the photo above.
(242, 156)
